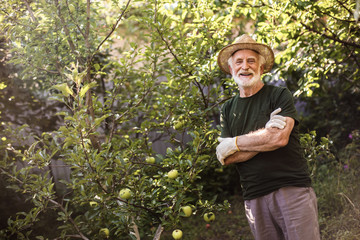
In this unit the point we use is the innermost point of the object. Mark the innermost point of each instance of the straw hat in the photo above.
(245, 42)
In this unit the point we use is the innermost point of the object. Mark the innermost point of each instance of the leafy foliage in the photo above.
(106, 137)
(130, 76)
(333, 177)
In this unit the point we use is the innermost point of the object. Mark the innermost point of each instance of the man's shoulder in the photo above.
(230, 100)
(275, 88)
(276, 91)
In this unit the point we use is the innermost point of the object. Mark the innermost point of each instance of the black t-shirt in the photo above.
(267, 171)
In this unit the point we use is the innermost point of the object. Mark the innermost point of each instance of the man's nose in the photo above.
(245, 65)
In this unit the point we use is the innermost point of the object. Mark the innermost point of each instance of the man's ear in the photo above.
(230, 69)
(262, 69)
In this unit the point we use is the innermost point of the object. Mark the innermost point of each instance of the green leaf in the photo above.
(64, 88)
(86, 88)
(97, 66)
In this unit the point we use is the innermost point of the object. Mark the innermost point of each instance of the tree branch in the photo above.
(158, 232)
(88, 97)
(342, 4)
(124, 113)
(50, 200)
(336, 18)
(135, 228)
(72, 18)
(320, 33)
(113, 27)
(346, 46)
(94, 139)
(87, 28)
(66, 30)
(69, 218)
(32, 16)
(182, 66)
(353, 56)
(330, 37)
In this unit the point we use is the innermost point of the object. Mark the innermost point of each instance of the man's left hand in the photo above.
(276, 121)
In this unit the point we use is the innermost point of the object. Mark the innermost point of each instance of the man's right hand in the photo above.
(276, 121)
(226, 148)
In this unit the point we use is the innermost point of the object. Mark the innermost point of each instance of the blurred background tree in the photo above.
(92, 90)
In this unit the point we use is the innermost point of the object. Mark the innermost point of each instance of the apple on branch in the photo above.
(209, 217)
(104, 232)
(173, 174)
(150, 160)
(125, 193)
(208, 13)
(187, 211)
(177, 234)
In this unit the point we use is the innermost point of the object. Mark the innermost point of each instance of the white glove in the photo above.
(276, 121)
(226, 147)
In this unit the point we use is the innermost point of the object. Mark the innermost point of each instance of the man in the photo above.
(265, 147)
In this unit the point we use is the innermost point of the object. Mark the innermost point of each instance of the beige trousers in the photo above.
(288, 213)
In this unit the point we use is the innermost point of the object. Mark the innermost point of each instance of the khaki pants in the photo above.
(288, 213)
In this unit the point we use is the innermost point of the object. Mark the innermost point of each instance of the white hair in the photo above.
(262, 60)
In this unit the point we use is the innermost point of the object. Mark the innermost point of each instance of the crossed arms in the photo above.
(244, 147)
(262, 140)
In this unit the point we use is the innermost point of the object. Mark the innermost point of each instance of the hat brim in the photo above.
(261, 49)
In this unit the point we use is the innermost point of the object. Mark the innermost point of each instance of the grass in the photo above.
(341, 224)
(231, 225)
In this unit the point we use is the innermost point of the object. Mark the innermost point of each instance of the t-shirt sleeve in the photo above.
(225, 132)
(286, 102)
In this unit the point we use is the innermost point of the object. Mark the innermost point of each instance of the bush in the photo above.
(333, 181)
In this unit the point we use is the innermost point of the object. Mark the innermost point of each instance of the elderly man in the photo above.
(259, 135)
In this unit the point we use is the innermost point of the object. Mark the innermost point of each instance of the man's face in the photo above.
(246, 69)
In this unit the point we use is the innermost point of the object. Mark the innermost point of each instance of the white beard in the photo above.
(246, 83)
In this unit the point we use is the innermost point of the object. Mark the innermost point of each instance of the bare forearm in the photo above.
(239, 157)
(265, 139)
(260, 141)
(251, 144)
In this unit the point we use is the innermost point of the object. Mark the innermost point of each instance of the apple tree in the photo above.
(161, 86)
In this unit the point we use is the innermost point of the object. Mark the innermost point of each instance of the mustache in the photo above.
(245, 72)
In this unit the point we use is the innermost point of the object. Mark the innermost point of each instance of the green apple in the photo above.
(150, 159)
(208, 13)
(104, 232)
(187, 211)
(209, 217)
(125, 193)
(173, 174)
(178, 125)
(177, 234)
(72, 8)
